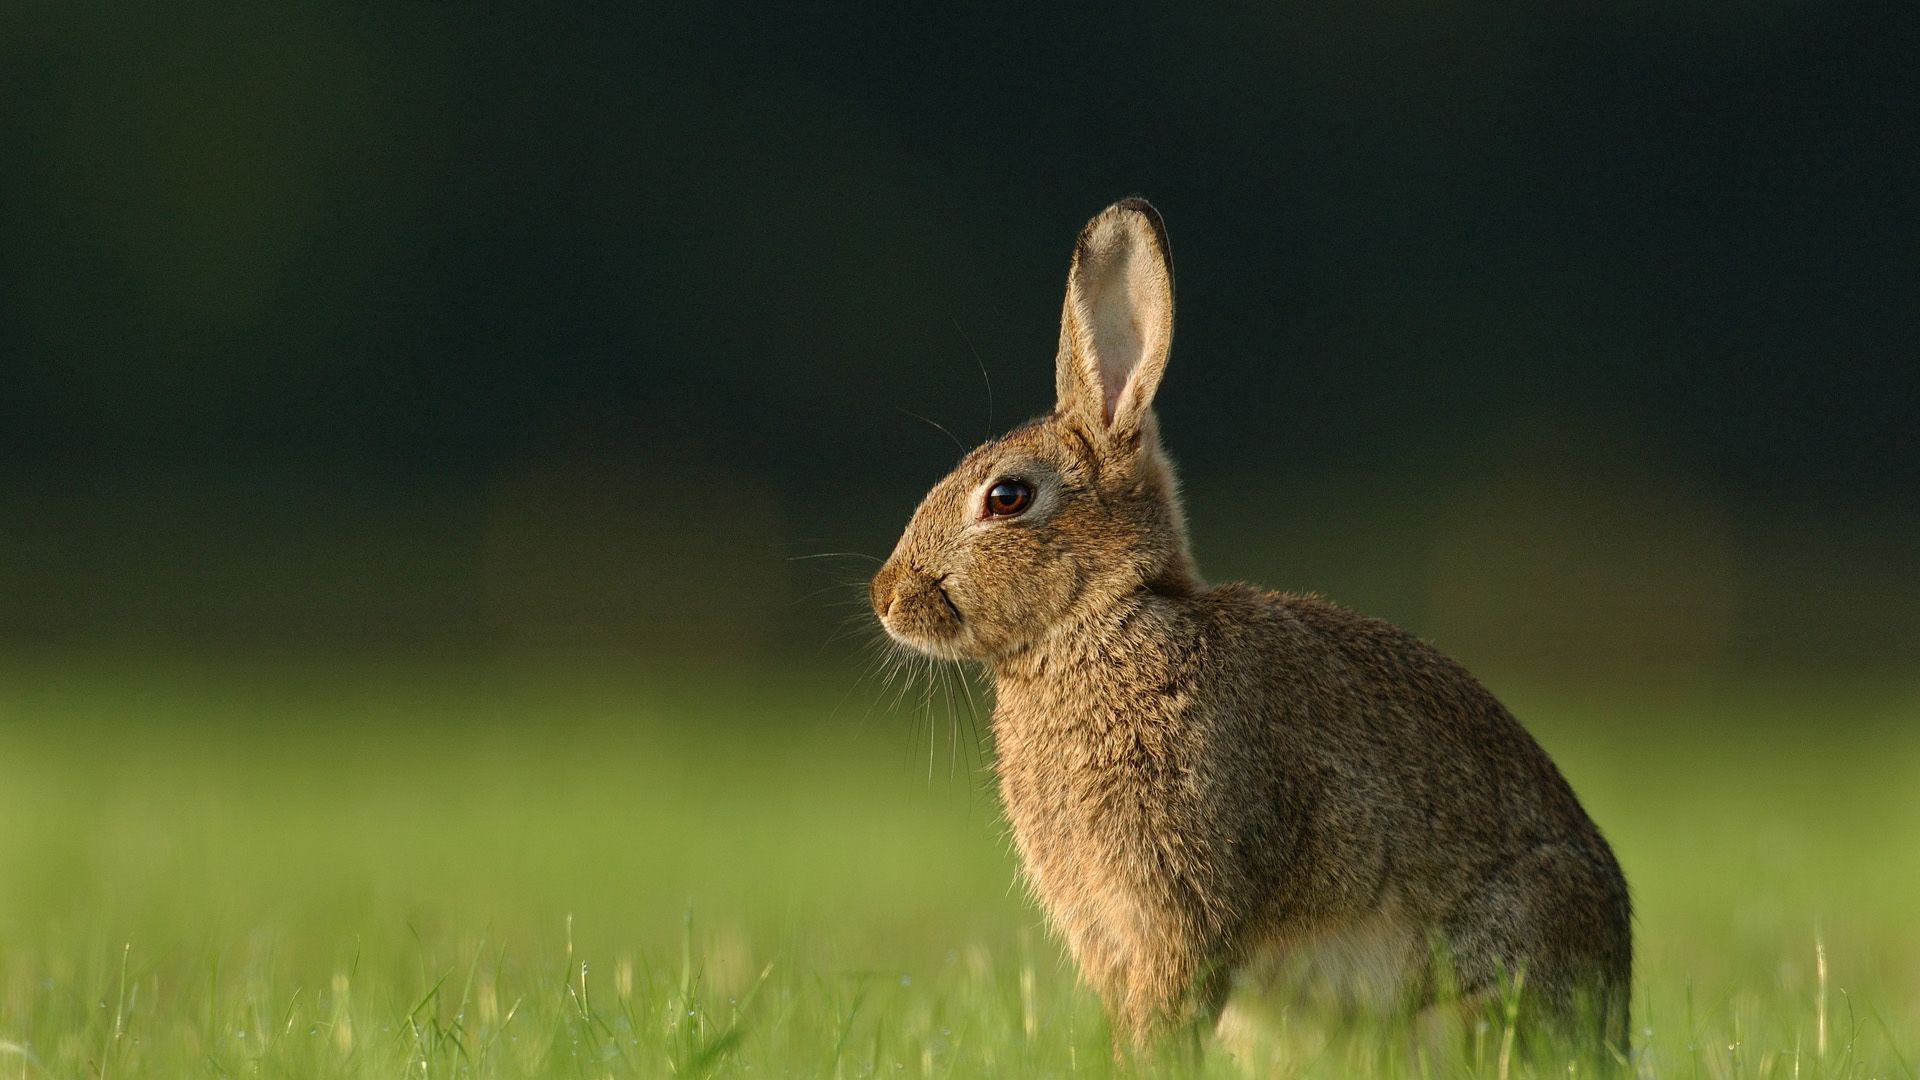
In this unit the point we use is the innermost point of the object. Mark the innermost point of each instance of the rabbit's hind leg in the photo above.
(1545, 935)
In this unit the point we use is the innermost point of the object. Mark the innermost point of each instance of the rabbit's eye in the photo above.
(1008, 497)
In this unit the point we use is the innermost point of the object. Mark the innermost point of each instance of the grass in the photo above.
(351, 870)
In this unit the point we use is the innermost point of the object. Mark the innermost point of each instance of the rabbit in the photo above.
(1207, 782)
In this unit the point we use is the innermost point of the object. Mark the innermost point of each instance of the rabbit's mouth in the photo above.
(942, 649)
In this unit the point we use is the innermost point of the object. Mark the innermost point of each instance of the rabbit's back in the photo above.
(1247, 769)
(1382, 745)
(1414, 799)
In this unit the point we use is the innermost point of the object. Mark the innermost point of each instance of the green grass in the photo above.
(271, 871)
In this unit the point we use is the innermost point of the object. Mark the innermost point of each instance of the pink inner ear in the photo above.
(1113, 383)
(1118, 340)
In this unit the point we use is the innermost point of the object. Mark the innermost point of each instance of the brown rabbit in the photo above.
(1205, 781)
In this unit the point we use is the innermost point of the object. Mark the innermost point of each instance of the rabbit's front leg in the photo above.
(1169, 981)
(1158, 983)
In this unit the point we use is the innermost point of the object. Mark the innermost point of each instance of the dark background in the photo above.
(1580, 338)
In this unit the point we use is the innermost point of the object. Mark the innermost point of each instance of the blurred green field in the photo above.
(353, 869)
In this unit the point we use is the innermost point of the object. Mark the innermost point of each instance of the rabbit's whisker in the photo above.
(938, 425)
(982, 365)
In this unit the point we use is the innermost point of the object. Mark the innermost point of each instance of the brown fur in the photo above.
(1209, 780)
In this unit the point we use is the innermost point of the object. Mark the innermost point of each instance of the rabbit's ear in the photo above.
(1118, 321)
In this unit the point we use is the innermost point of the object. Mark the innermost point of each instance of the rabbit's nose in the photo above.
(885, 589)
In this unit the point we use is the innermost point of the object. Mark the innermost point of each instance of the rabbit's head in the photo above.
(1062, 516)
